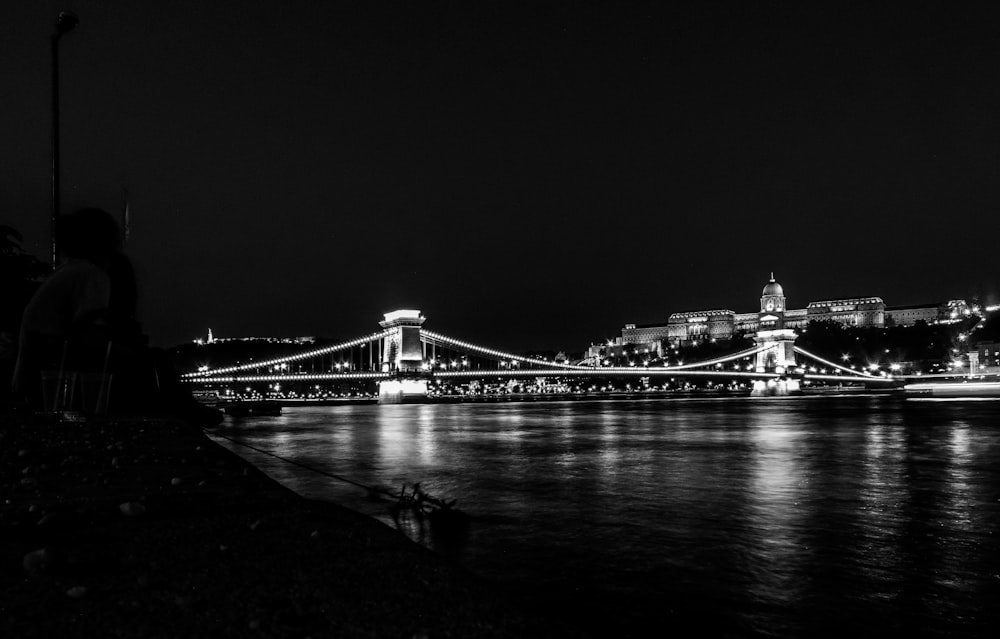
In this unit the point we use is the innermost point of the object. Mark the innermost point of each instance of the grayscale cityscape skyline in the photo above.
(499, 320)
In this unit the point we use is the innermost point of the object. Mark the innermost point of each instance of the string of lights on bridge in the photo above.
(444, 340)
(831, 364)
(441, 340)
(308, 377)
(602, 371)
(221, 375)
(293, 358)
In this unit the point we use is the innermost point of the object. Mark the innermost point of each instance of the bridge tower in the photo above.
(403, 356)
(778, 356)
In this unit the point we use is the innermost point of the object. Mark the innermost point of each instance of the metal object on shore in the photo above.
(247, 409)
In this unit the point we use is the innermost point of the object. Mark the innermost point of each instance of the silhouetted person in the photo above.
(144, 378)
(83, 319)
(64, 324)
(123, 327)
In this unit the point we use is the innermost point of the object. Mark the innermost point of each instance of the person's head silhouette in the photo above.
(90, 234)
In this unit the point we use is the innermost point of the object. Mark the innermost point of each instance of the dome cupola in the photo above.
(773, 288)
(772, 300)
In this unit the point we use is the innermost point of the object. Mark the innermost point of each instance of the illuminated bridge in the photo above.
(404, 357)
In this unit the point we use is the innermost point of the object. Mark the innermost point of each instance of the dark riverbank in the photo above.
(144, 527)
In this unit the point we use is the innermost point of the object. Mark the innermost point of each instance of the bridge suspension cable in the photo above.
(833, 365)
(437, 339)
(300, 377)
(588, 371)
(293, 358)
(720, 360)
(442, 340)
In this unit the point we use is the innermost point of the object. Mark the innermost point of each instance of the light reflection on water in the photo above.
(769, 517)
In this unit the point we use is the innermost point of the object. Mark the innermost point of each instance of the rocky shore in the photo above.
(143, 527)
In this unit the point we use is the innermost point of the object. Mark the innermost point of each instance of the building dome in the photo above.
(773, 288)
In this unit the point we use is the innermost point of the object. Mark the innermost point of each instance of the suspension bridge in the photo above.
(404, 357)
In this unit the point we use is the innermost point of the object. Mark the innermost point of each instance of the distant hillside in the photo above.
(230, 352)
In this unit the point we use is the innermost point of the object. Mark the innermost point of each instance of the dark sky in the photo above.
(527, 177)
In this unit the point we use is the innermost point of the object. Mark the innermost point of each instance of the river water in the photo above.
(741, 517)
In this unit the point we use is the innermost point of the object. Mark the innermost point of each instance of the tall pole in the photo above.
(64, 24)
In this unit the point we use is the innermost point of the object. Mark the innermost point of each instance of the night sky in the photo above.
(529, 178)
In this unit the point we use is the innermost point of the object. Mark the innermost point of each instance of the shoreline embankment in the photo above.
(144, 527)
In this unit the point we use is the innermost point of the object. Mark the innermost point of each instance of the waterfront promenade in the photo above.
(143, 527)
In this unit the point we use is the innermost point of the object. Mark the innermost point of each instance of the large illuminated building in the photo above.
(690, 327)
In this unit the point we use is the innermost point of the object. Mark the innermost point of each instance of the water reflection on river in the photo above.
(751, 517)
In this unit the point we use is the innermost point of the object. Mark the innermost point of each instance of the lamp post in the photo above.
(64, 24)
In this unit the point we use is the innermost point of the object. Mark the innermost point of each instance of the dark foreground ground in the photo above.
(145, 528)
